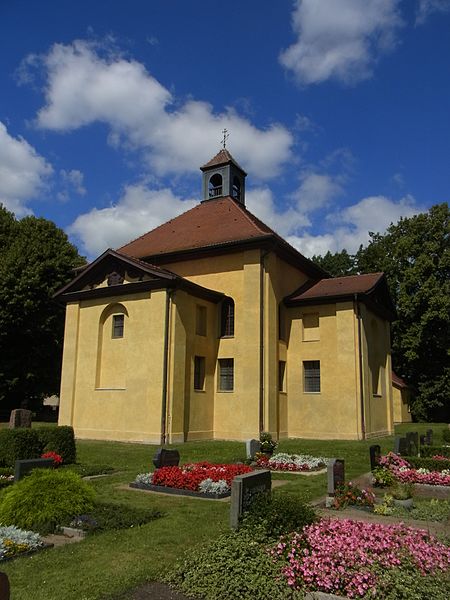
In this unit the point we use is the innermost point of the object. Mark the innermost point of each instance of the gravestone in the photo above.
(4, 587)
(375, 454)
(423, 440)
(401, 446)
(244, 490)
(336, 476)
(429, 437)
(412, 438)
(20, 417)
(252, 447)
(23, 467)
(166, 458)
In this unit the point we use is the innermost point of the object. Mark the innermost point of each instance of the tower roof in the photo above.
(223, 157)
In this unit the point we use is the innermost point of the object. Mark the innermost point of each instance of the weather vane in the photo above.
(226, 135)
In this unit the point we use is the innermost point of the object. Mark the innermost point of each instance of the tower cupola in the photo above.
(222, 176)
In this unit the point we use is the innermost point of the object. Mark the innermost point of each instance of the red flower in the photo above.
(57, 458)
(191, 475)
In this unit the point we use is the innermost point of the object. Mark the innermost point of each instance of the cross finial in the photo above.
(226, 135)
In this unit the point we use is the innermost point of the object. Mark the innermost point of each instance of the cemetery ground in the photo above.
(105, 566)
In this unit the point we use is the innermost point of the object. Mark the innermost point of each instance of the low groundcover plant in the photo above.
(291, 462)
(346, 557)
(15, 541)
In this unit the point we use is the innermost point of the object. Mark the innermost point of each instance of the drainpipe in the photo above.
(165, 369)
(261, 339)
(361, 379)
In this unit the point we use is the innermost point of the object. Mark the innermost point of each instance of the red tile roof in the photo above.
(210, 223)
(398, 381)
(336, 287)
(221, 158)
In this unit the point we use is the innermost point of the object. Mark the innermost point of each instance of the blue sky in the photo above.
(337, 109)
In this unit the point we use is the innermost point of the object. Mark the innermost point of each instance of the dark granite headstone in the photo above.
(252, 447)
(23, 467)
(375, 453)
(244, 489)
(429, 437)
(412, 438)
(336, 474)
(423, 440)
(166, 458)
(4, 587)
(401, 446)
(20, 417)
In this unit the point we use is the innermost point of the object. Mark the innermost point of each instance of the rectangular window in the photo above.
(227, 318)
(200, 320)
(226, 375)
(311, 375)
(311, 332)
(199, 373)
(117, 326)
(282, 376)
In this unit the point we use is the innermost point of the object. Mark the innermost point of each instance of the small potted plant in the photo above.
(268, 445)
(402, 494)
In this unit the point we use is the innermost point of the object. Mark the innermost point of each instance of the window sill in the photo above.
(226, 337)
(313, 393)
(282, 392)
(377, 395)
(199, 391)
(225, 391)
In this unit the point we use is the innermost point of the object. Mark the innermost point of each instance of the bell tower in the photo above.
(222, 176)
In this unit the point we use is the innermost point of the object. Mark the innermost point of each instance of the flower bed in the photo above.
(292, 462)
(198, 478)
(402, 471)
(351, 558)
(14, 541)
(349, 494)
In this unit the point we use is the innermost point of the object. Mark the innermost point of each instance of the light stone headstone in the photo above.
(244, 490)
(336, 475)
(252, 447)
(20, 417)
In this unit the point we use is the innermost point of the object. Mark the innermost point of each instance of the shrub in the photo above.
(232, 566)
(382, 477)
(60, 440)
(45, 499)
(430, 451)
(18, 444)
(273, 515)
(431, 464)
(404, 584)
(105, 516)
(446, 435)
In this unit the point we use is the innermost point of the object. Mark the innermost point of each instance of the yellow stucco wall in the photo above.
(400, 399)
(111, 388)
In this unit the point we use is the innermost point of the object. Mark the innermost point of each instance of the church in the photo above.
(212, 326)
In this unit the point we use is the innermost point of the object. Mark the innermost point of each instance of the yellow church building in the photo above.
(212, 326)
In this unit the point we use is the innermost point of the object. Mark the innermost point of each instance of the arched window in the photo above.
(227, 318)
(215, 186)
(236, 191)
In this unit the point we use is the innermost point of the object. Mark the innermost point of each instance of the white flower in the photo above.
(299, 460)
(30, 539)
(208, 486)
(144, 478)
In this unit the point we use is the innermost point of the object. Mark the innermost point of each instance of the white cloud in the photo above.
(340, 39)
(74, 179)
(23, 173)
(429, 7)
(316, 191)
(139, 210)
(260, 202)
(83, 85)
(350, 227)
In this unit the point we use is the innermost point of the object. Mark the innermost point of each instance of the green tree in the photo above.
(36, 259)
(415, 256)
(338, 264)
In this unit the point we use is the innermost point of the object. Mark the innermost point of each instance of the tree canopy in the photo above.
(36, 259)
(415, 256)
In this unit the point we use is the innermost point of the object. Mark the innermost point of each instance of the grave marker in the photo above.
(412, 438)
(375, 454)
(23, 467)
(244, 490)
(401, 446)
(4, 587)
(336, 476)
(252, 447)
(166, 458)
(429, 437)
(20, 417)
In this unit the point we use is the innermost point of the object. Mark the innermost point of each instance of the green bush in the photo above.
(273, 515)
(405, 584)
(18, 444)
(428, 463)
(44, 499)
(60, 440)
(383, 477)
(446, 435)
(232, 566)
(430, 451)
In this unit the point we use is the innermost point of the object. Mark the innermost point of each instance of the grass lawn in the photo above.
(107, 564)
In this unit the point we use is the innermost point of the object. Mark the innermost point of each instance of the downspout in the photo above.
(165, 368)
(361, 379)
(261, 339)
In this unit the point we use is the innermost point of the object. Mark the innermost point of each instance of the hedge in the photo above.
(430, 451)
(428, 463)
(19, 444)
